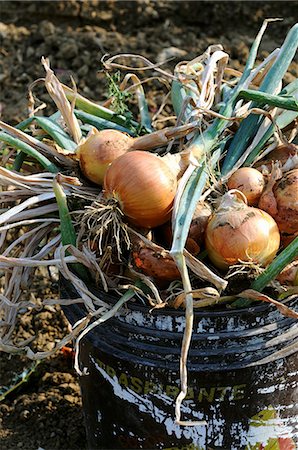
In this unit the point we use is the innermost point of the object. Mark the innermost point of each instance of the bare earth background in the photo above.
(46, 411)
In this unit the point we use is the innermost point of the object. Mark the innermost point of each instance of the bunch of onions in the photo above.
(143, 186)
(101, 148)
(249, 181)
(281, 202)
(237, 233)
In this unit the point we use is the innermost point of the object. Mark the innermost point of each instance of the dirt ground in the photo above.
(46, 412)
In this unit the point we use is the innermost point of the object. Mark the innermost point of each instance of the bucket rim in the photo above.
(109, 298)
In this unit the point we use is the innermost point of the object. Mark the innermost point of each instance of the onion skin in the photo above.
(249, 181)
(98, 151)
(281, 153)
(144, 186)
(289, 274)
(237, 232)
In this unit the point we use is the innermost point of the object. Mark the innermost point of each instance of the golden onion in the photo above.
(144, 187)
(99, 149)
(237, 232)
(249, 181)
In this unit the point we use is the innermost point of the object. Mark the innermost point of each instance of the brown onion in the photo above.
(144, 186)
(249, 181)
(154, 262)
(237, 232)
(282, 204)
(99, 149)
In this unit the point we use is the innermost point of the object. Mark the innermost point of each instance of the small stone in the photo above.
(24, 414)
(68, 50)
(46, 28)
(69, 398)
(83, 70)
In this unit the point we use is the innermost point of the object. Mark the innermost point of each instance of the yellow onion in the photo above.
(237, 232)
(281, 202)
(144, 186)
(99, 149)
(249, 181)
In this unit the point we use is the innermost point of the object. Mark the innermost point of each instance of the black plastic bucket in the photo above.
(242, 377)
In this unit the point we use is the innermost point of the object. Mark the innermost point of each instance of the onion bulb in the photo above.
(144, 187)
(237, 233)
(249, 181)
(154, 261)
(99, 149)
(282, 204)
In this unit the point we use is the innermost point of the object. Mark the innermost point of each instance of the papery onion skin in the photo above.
(280, 153)
(289, 275)
(249, 181)
(237, 232)
(98, 151)
(144, 186)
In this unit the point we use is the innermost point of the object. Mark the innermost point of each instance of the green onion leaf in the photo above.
(277, 265)
(250, 125)
(68, 234)
(56, 132)
(262, 98)
(101, 123)
(26, 148)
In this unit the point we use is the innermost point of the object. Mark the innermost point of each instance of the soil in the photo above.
(45, 412)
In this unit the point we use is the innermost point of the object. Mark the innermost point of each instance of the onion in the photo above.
(249, 181)
(144, 186)
(99, 149)
(237, 232)
(154, 262)
(281, 202)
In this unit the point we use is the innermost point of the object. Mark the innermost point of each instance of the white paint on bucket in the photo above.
(261, 430)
